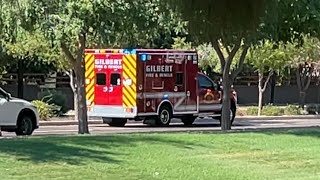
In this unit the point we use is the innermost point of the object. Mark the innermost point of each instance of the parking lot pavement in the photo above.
(176, 126)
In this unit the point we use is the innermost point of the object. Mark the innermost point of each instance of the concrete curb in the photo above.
(66, 122)
(69, 121)
(277, 117)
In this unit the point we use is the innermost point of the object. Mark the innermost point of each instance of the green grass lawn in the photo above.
(293, 154)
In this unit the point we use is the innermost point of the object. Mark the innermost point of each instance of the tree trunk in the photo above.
(74, 91)
(262, 88)
(303, 85)
(260, 102)
(225, 116)
(80, 98)
(227, 78)
(79, 82)
(273, 86)
(76, 111)
(302, 98)
(20, 74)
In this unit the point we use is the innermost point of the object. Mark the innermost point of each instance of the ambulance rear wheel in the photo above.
(117, 122)
(164, 117)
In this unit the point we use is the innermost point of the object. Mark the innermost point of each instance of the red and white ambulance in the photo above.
(150, 84)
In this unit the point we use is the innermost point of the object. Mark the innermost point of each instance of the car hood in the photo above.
(17, 100)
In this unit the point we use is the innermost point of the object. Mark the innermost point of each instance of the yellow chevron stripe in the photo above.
(90, 61)
(90, 93)
(125, 102)
(87, 57)
(89, 70)
(130, 65)
(90, 85)
(132, 59)
(134, 87)
(89, 73)
(130, 98)
(91, 100)
(125, 75)
(130, 101)
(131, 76)
(129, 72)
(91, 76)
(131, 92)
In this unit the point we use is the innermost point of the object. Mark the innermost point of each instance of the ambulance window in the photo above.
(179, 79)
(204, 82)
(101, 79)
(115, 79)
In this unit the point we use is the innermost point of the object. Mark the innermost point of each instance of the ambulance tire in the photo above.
(164, 117)
(117, 122)
(188, 120)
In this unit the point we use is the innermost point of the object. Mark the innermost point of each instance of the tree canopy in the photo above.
(229, 26)
(72, 26)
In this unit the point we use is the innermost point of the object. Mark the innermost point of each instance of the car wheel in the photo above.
(118, 122)
(164, 117)
(188, 120)
(24, 126)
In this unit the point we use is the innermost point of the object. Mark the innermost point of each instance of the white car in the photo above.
(17, 115)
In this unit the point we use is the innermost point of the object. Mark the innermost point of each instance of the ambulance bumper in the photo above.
(113, 112)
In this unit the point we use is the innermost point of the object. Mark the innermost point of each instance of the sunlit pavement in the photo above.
(176, 126)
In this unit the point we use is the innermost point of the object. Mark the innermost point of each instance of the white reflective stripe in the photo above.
(169, 53)
(147, 114)
(185, 112)
(191, 107)
(214, 107)
(161, 95)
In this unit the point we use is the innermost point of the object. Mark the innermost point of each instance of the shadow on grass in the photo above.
(76, 150)
(306, 132)
(297, 131)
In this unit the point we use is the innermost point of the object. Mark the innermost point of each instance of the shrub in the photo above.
(46, 110)
(252, 111)
(275, 110)
(292, 110)
(56, 98)
(272, 111)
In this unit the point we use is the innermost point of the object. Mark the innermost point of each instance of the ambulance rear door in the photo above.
(108, 88)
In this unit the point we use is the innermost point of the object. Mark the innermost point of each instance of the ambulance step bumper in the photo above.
(113, 112)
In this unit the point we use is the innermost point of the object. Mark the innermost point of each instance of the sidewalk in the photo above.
(69, 119)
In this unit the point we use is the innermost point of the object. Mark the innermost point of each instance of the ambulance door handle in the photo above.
(111, 89)
(105, 89)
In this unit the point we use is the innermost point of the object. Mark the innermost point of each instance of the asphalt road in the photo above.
(176, 126)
